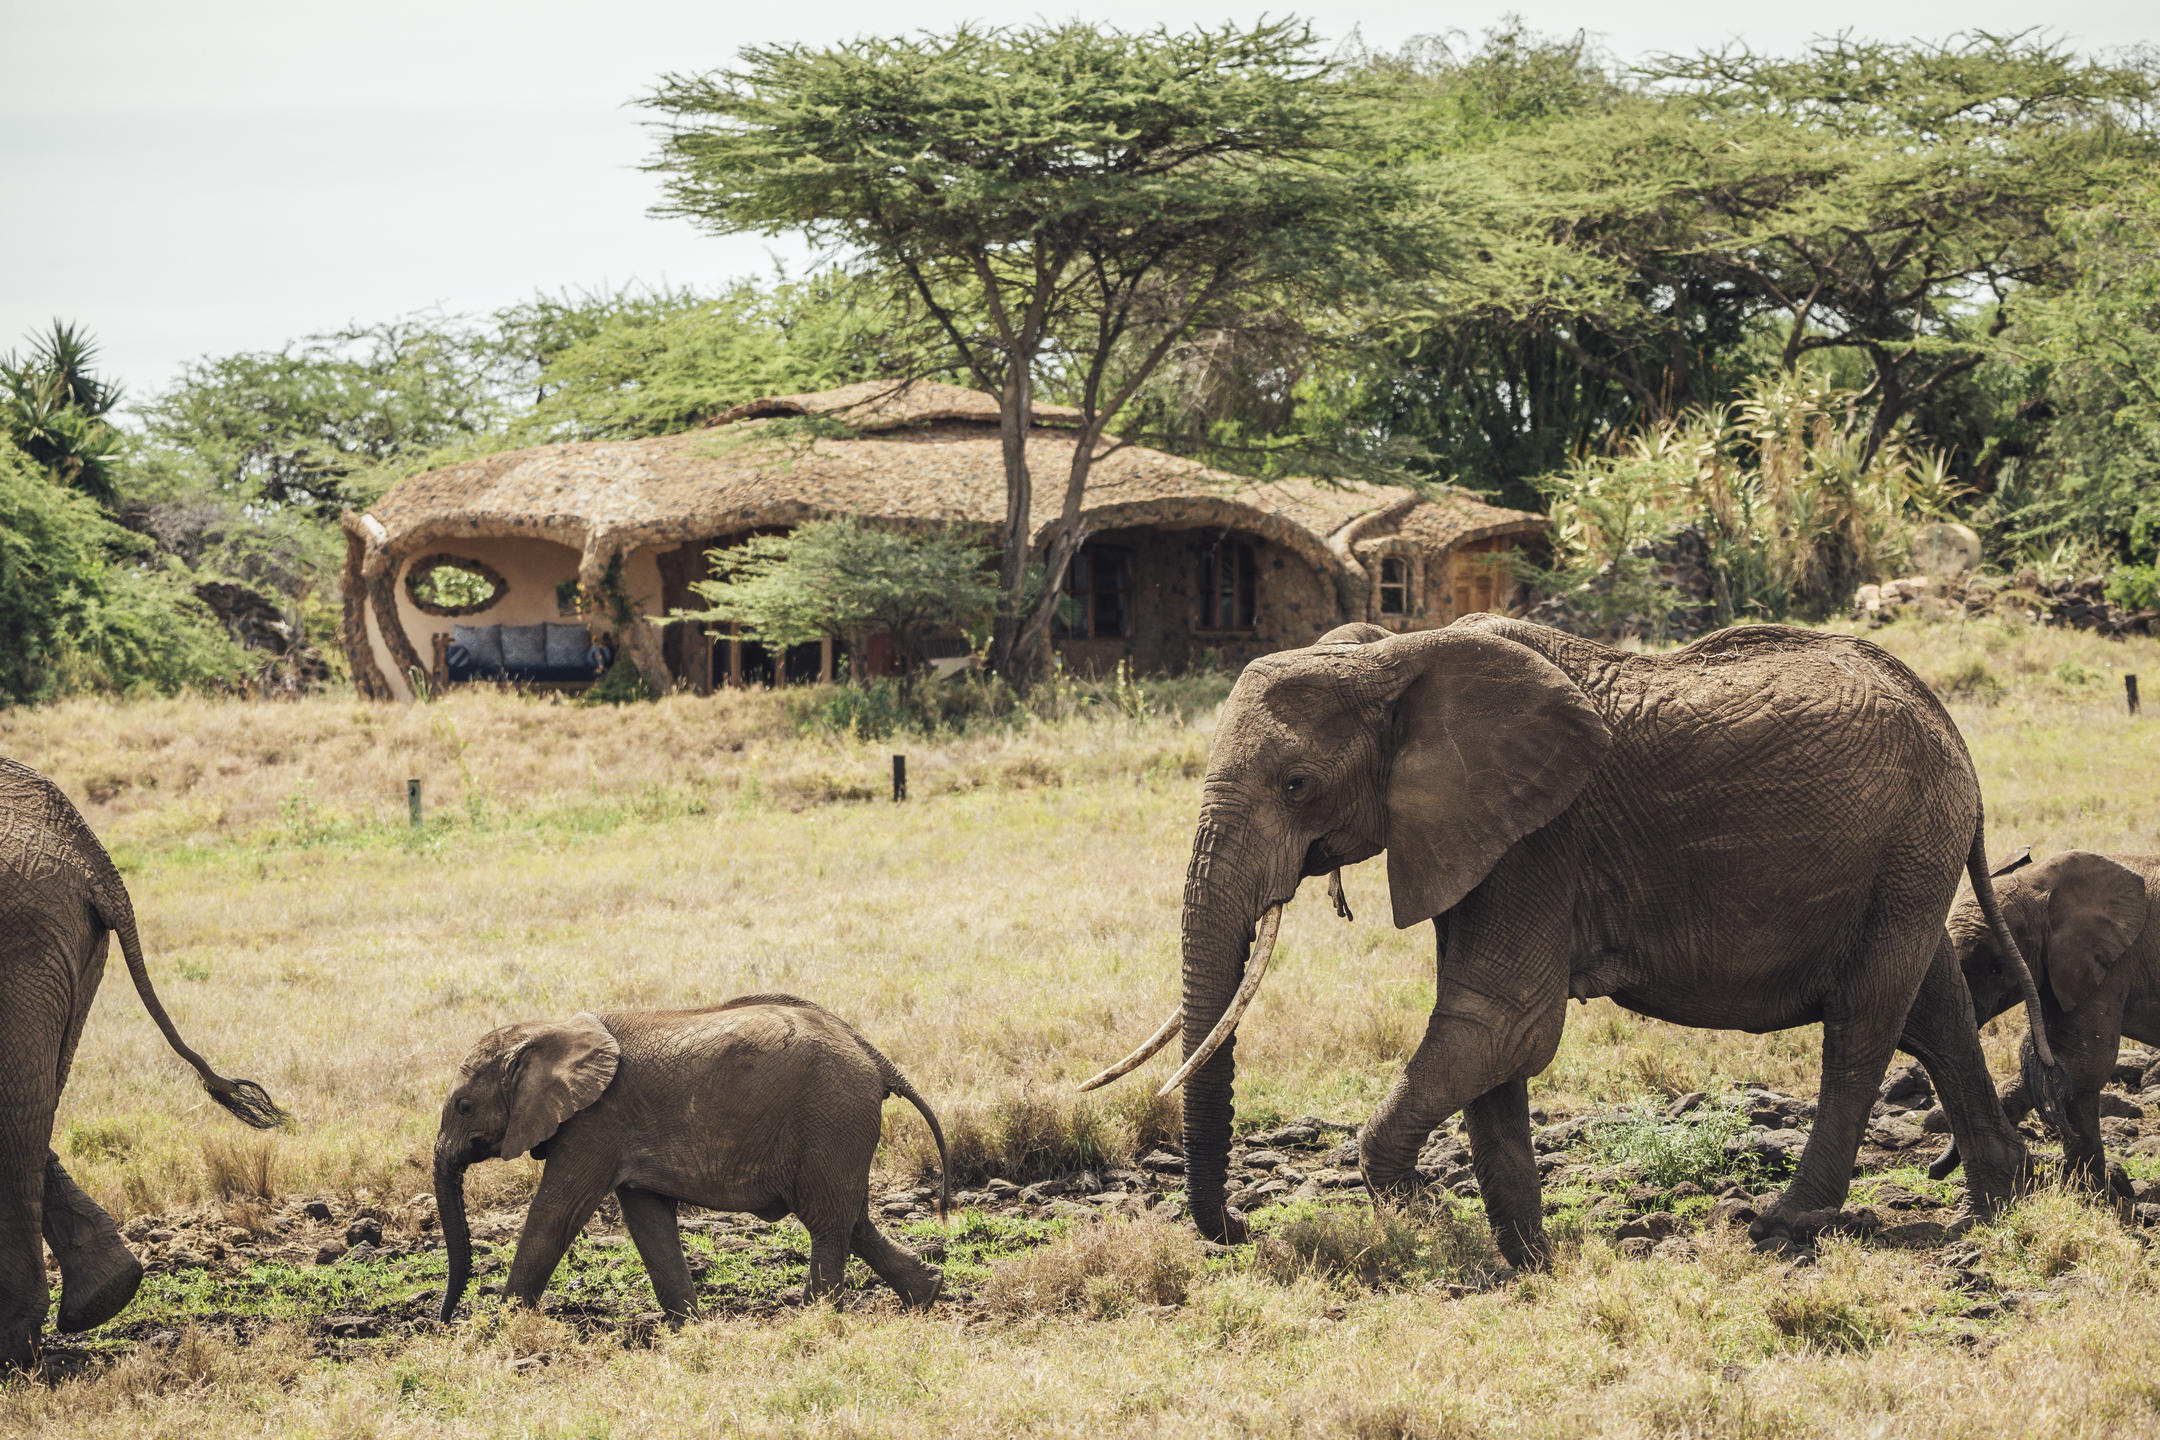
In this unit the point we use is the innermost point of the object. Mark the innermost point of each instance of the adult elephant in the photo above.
(1763, 829)
(59, 898)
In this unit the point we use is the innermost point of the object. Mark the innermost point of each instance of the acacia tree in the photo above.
(1891, 201)
(1057, 206)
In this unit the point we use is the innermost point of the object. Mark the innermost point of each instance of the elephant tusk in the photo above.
(1263, 951)
(1153, 1043)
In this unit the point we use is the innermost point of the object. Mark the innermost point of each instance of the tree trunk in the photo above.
(1016, 413)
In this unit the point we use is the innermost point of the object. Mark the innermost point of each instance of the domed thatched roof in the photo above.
(912, 452)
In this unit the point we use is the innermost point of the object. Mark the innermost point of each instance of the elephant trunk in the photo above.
(450, 1166)
(1215, 935)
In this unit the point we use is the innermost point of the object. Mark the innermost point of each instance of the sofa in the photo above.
(546, 654)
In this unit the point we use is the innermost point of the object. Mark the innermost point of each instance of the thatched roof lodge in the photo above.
(1180, 561)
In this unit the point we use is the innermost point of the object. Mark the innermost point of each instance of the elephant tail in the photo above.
(897, 1084)
(2044, 1078)
(244, 1098)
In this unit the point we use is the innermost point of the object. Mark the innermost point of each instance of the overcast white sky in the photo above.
(192, 177)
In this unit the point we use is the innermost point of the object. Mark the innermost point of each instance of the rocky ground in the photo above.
(1649, 1178)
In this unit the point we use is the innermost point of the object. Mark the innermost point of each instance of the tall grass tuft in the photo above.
(1099, 1271)
(1374, 1248)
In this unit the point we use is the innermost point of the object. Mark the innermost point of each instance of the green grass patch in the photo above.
(1666, 1150)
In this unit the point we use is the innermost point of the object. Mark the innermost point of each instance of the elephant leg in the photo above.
(571, 1187)
(828, 1264)
(98, 1273)
(1506, 1166)
(917, 1283)
(38, 1025)
(1500, 1002)
(1939, 1033)
(1859, 1036)
(2084, 1155)
(24, 1297)
(2016, 1104)
(651, 1220)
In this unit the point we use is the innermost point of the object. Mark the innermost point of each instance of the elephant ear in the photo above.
(1491, 742)
(2095, 908)
(557, 1072)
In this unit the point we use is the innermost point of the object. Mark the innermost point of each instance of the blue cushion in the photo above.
(524, 647)
(567, 645)
(482, 645)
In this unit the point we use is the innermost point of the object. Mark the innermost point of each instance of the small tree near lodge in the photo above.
(840, 578)
(1058, 206)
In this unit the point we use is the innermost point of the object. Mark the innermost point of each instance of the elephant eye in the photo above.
(464, 1107)
(1295, 787)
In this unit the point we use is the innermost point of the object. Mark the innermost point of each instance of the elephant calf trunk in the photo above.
(457, 1235)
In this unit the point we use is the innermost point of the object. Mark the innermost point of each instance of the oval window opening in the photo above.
(453, 585)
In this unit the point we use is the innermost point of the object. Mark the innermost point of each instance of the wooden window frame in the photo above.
(1400, 586)
(1088, 582)
(1242, 591)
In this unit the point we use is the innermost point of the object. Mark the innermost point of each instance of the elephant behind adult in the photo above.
(60, 897)
(1761, 830)
(2089, 927)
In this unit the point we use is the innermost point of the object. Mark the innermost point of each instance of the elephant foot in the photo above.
(1778, 1228)
(923, 1294)
(97, 1289)
(18, 1348)
(1231, 1231)
(1524, 1253)
(98, 1273)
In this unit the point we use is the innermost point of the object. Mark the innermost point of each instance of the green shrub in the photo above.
(622, 683)
(2135, 587)
(83, 608)
(1666, 1150)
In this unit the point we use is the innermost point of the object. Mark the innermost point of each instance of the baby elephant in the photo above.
(2086, 925)
(768, 1104)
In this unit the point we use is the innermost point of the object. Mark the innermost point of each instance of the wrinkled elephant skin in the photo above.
(60, 902)
(1761, 830)
(766, 1104)
(2089, 926)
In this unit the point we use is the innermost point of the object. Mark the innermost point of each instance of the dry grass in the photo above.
(1002, 935)
(1101, 1271)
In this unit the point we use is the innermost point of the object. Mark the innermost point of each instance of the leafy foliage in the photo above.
(2091, 478)
(636, 364)
(1666, 1151)
(840, 577)
(1056, 205)
(1794, 510)
(80, 607)
(56, 412)
(310, 426)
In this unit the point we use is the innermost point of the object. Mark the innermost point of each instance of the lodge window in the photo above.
(1097, 603)
(1228, 584)
(1394, 585)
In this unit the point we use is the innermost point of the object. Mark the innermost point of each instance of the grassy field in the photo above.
(1001, 935)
